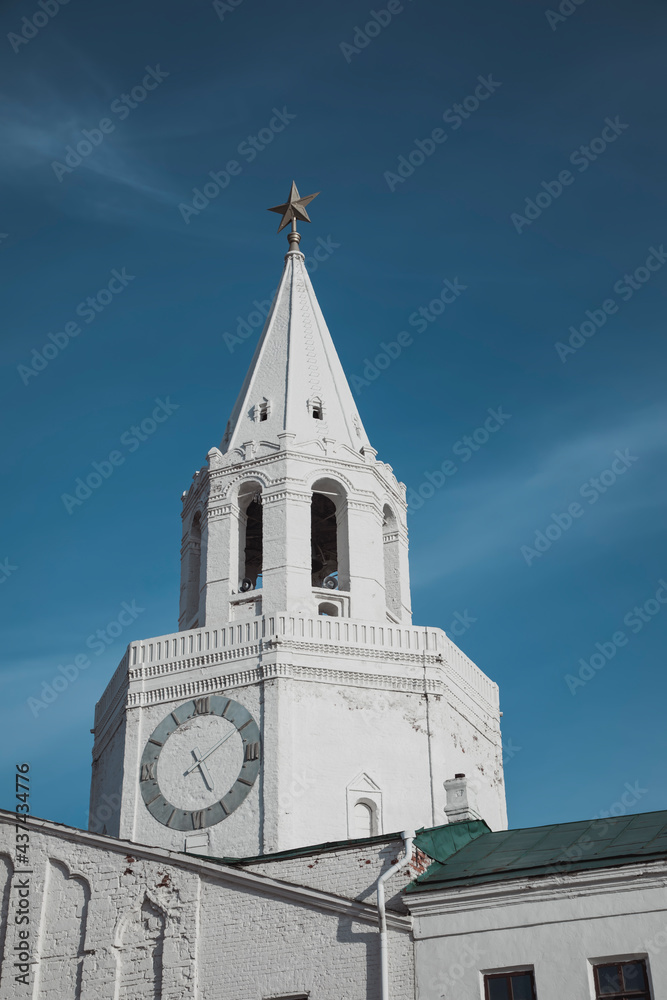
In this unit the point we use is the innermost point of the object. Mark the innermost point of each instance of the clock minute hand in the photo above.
(209, 752)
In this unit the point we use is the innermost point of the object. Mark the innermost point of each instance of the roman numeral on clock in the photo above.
(251, 751)
(203, 706)
(198, 820)
(148, 771)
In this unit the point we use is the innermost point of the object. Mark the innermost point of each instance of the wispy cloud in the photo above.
(34, 135)
(489, 519)
(30, 136)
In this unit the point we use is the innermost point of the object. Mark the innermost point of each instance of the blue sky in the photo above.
(348, 116)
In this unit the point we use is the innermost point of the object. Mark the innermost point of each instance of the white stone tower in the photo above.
(297, 704)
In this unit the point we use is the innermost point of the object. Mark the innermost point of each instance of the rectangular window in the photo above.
(510, 986)
(622, 981)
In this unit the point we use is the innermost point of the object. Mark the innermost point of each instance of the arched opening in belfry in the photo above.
(328, 536)
(324, 541)
(251, 548)
(392, 565)
(194, 567)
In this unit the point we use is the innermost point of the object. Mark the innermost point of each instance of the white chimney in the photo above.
(460, 800)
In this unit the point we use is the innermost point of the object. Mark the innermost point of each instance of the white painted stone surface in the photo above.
(115, 922)
(333, 698)
(362, 692)
(558, 926)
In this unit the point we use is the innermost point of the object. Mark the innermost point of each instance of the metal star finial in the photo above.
(294, 208)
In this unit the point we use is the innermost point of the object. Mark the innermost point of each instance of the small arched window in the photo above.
(328, 609)
(315, 408)
(363, 820)
(364, 807)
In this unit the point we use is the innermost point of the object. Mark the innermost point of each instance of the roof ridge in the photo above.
(330, 845)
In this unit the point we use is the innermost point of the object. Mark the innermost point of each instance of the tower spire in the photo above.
(295, 384)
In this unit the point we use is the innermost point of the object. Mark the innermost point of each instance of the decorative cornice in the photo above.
(137, 696)
(405, 647)
(354, 463)
(221, 510)
(127, 699)
(215, 485)
(373, 504)
(240, 476)
(267, 671)
(284, 642)
(269, 498)
(539, 888)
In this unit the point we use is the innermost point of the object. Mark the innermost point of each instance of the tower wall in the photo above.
(341, 705)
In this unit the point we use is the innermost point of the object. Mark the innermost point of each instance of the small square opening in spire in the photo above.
(315, 408)
(261, 410)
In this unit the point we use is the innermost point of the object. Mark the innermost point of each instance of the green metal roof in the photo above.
(540, 850)
(440, 842)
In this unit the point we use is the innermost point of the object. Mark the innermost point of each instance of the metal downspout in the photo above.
(382, 914)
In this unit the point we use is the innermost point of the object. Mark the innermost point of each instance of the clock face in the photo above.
(200, 763)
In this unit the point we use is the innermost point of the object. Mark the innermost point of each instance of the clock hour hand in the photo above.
(199, 762)
(209, 752)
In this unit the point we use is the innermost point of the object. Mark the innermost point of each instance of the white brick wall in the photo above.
(111, 921)
(350, 871)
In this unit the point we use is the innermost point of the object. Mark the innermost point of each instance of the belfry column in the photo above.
(366, 561)
(220, 557)
(404, 574)
(286, 578)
